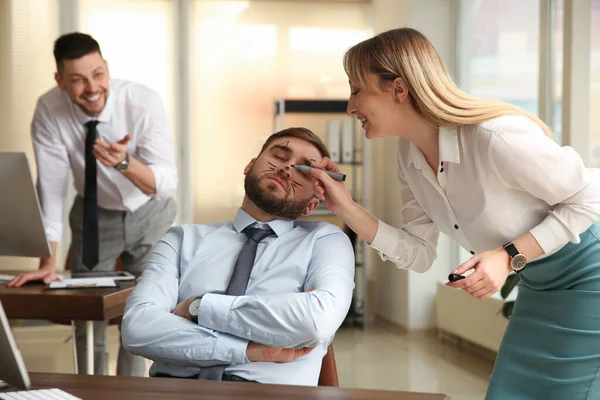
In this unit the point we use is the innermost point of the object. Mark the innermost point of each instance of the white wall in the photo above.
(406, 298)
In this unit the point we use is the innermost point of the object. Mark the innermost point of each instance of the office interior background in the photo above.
(221, 65)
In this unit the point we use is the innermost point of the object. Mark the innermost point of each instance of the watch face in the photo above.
(194, 306)
(518, 262)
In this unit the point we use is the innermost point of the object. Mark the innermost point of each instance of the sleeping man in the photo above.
(255, 299)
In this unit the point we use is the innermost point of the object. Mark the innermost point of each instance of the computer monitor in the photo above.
(21, 227)
(12, 367)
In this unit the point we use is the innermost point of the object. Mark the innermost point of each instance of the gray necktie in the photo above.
(238, 283)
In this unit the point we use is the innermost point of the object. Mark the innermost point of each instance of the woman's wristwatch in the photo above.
(517, 260)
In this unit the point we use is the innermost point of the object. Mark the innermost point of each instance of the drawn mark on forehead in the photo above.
(285, 147)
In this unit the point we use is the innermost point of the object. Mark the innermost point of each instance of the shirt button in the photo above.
(249, 333)
(441, 169)
(455, 226)
(188, 354)
(472, 252)
(230, 356)
(211, 322)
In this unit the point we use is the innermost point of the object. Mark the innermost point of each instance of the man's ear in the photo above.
(250, 164)
(107, 69)
(400, 90)
(59, 81)
(311, 207)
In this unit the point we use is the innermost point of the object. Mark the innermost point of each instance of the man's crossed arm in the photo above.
(237, 329)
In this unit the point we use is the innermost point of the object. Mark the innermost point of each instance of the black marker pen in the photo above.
(335, 175)
(454, 277)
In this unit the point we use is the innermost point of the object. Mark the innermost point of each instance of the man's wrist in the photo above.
(194, 309)
(123, 164)
(47, 266)
(250, 350)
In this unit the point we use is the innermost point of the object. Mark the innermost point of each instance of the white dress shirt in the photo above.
(496, 181)
(58, 132)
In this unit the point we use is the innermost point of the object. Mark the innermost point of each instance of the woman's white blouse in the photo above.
(496, 181)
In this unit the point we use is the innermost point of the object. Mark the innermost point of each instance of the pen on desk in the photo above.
(335, 175)
(454, 277)
(81, 285)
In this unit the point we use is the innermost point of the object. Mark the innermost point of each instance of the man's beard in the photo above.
(266, 200)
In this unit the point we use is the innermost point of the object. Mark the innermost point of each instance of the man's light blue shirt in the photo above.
(277, 310)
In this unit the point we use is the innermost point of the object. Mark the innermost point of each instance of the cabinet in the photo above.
(314, 115)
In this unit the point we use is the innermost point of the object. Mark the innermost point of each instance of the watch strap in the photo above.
(511, 249)
(194, 318)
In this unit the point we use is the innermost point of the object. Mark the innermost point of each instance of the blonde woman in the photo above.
(488, 174)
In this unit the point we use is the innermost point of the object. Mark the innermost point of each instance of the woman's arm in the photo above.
(413, 246)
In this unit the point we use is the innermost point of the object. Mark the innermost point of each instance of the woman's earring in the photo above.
(397, 100)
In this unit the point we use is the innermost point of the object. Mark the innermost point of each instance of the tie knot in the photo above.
(92, 124)
(257, 234)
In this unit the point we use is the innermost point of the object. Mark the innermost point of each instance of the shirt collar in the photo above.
(449, 150)
(415, 156)
(243, 220)
(104, 116)
(448, 145)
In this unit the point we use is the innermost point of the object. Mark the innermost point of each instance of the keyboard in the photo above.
(42, 394)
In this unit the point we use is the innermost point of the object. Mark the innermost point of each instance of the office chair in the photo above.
(328, 375)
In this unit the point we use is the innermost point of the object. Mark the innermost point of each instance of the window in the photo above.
(594, 155)
(245, 55)
(137, 40)
(499, 57)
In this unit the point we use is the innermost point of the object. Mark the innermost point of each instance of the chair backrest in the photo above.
(329, 375)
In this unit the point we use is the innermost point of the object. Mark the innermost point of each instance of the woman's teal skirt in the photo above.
(551, 348)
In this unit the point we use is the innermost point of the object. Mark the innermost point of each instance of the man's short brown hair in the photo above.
(301, 133)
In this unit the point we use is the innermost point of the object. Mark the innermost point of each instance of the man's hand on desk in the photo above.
(260, 353)
(46, 274)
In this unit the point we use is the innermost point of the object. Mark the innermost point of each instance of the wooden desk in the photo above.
(32, 301)
(122, 388)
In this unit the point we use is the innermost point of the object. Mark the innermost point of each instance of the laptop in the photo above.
(21, 227)
(13, 371)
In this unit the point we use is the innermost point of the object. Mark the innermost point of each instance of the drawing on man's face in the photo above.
(289, 206)
(283, 152)
(272, 168)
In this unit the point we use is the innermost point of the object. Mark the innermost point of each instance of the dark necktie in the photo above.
(238, 283)
(90, 200)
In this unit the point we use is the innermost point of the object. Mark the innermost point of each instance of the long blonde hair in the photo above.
(408, 54)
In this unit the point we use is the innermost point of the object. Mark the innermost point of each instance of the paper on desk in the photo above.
(6, 277)
(83, 283)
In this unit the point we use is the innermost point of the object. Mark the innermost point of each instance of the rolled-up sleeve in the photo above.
(413, 246)
(152, 331)
(52, 162)
(156, 148)
(525, 159)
